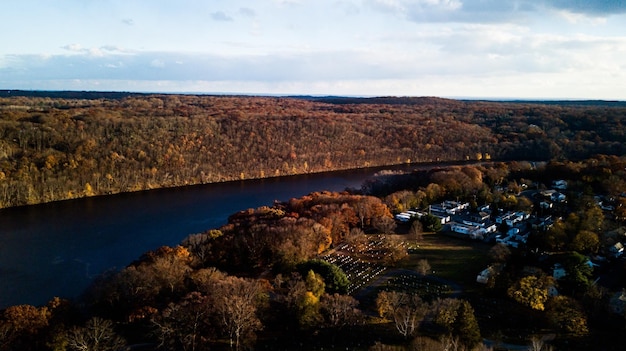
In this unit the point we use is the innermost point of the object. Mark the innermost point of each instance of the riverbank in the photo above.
(57, 249)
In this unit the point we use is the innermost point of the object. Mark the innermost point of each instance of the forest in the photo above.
(64, 145)
(302, 274)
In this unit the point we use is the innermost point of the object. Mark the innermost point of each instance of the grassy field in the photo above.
(458, 260)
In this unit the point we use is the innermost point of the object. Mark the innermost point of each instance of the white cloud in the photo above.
(97, 52)
(374, 47)
(114, 65)
(288, 2)
(73, 47)
(157, 63)
(579, 18)
(246, 11)
(221, 16)
(497, 11)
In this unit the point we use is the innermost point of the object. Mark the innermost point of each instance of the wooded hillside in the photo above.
(61, 148)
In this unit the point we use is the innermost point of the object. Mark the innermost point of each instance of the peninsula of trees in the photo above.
(67, 145)
(336, 271)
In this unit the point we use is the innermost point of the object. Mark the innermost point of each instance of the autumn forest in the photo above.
(75, 145)
(337, 270)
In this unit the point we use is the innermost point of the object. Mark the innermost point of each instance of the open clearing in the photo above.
(450, 258)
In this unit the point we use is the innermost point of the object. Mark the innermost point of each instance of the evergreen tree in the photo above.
(431, 223)
(466, 326)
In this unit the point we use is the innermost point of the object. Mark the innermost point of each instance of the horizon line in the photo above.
(291, 95)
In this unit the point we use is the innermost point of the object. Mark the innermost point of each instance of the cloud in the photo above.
(246, 11)
(467, 53)
(288, 2)
(425, 11)
(347, 7)
(221, 16)
(95, 51)
(590, 7)
(128, 21)
(157, 63)
(73, 47)
(492, 11)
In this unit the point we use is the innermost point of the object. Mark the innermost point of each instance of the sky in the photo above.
(529, 49)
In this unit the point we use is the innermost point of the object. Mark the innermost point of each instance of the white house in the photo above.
(512, 218)
(558, 197)
(559, 184)
(484, 276)
(403, 217)
(450, 207)
(472, 231)
(545, 205)
(617, 250)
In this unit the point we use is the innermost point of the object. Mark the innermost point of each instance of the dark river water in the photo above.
(57, 249)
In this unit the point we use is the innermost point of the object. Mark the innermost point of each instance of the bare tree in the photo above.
(395, 250)
(357, 239)
(423, 267)
(340, 310)
(96, 335)
(181, 325)
(237, 304)
(539, 344)
(406, 310)
(385, 225)
(450, 343)
(407, 319)
(499, 252)
(416, 231)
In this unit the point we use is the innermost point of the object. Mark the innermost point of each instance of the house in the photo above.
(474, 232)
(403, 217)
(480, 216)
(553, 195)
(617, 303)
(543, 223)
(450, 207)
(552, 291)
(559, 184)
(558, 271)
(545, 205)
(455, 206)
(617, 250)
(406, 216)
(512, 218)
(488, 227)
(488, 273)
(484, 276)
(508, 241)
(558, 197)
(607, 207)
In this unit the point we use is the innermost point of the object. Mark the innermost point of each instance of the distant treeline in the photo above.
(56, 146)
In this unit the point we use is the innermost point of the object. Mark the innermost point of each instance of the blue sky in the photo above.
(450, 48)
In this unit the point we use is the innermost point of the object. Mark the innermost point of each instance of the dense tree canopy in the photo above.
(262, 273)
(66, 147)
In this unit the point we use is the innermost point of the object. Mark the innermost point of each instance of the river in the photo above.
(57, 249)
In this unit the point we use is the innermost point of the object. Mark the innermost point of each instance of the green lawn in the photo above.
(458, 260)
